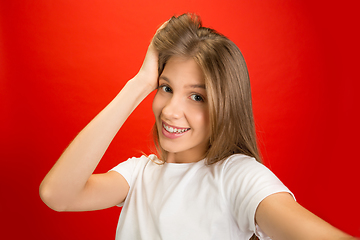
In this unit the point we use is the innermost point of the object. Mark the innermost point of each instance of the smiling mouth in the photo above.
(175, 130)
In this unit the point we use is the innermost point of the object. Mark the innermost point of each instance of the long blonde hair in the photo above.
(227, 83)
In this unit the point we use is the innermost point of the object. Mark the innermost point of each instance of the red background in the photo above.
(62, 61)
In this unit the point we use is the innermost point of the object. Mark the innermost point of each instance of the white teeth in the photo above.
(174, 130)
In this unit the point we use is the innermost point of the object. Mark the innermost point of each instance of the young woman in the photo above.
(207, 182)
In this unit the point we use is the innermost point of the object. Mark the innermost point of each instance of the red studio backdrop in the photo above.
(61, 62)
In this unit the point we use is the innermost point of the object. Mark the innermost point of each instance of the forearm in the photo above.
(69, 175)
(280, 217)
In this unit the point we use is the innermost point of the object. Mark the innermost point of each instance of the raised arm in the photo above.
(71, 185)
(281, 218)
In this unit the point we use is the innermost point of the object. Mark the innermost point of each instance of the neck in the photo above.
(183, 157)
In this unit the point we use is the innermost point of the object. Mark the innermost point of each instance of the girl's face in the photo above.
(181, 111)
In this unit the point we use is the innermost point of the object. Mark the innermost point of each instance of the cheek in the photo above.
(200, 117)
(205, 121)
(156, 105)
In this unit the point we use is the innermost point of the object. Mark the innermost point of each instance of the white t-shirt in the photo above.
(192, 200)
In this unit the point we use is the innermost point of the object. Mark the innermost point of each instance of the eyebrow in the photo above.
(187, 86)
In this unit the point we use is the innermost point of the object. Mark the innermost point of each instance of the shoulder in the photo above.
(236, 167)
(246, 182)
(132, 162)
(241, 163)
(243, 174)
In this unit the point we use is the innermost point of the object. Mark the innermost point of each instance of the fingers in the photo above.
(162, 26)
(159, 29)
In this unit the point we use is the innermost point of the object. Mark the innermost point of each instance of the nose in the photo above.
(173, 108)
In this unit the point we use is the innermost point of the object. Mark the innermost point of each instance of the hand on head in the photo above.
(149, 69)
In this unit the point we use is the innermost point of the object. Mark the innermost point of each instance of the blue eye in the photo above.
(197, 98)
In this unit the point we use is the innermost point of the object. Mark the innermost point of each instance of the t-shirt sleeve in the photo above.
(246, 183)
(126, 168)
